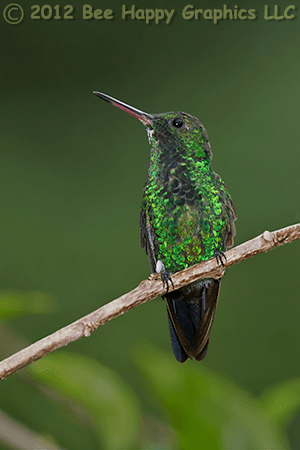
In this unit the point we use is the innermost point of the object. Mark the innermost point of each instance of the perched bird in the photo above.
(187, 216)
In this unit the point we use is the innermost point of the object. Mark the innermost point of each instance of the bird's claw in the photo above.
(219, 255)
(166, 278)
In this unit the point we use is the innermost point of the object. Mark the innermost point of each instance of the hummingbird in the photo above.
(187, 216)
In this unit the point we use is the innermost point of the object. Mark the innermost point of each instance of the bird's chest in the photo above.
(185, 211)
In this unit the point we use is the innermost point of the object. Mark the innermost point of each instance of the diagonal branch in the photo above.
(145, 291)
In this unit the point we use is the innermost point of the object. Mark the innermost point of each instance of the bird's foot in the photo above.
(165, 276)
(219, 255)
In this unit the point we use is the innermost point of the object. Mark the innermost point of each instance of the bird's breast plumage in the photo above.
(188, 208)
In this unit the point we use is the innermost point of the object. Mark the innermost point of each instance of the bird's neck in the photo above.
(165, 160)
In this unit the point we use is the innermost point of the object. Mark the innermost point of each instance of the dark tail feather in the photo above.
(191, 312)
(178, 350)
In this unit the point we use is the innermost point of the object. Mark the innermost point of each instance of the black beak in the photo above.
(145, 118)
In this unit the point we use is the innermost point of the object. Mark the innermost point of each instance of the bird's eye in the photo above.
(177, 122)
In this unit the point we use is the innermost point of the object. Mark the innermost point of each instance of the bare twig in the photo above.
(145, 291)
(17, 435)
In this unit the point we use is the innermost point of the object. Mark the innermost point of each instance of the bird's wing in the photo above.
(229, 210)
(148, 238)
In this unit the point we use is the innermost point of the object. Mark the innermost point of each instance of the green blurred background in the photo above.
(72, 175)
